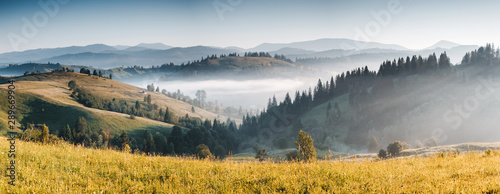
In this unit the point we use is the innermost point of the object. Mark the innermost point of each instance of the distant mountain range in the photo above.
(327, 44)
(149, 54)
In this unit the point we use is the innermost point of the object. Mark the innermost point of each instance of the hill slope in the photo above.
(45, 98)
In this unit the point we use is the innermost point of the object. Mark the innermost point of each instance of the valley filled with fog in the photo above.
(245, 93)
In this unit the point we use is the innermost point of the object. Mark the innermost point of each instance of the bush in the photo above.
(203, 152)
(382, 154)
(44, 138)
(220, 151)
(406, 146)
(394, 148)
(72, 85)
(126, 148)
(261, 155)
(431, 142)
(292, 156)
(490, 152)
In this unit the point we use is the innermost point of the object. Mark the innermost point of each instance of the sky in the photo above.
(243, 23)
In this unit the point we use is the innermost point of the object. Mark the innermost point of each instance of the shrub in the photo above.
(31, 134)
(203, 152)
(261, 154)
(373, 145)
(126, 148)
(395, 148)
(220, 151)
(382, 154)
(431, 142)
(406, 146)
(72, 85)
(490, 152)
(44, 138)
(292, 155)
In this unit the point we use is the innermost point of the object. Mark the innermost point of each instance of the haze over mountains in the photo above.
(148, 54)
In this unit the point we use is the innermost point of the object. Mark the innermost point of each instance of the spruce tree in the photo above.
(168, 116)
(149, 146)
(67, 134)
(123, 140)
(305, 146)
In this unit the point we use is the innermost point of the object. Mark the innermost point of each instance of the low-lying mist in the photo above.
(244, 93)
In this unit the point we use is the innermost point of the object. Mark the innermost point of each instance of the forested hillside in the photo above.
(410, 99)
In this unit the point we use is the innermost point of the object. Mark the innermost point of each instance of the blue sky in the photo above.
(244, 23)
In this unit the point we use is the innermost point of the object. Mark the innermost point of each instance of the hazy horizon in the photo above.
(246, 24)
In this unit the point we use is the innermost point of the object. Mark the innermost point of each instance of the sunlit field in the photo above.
(65, 168)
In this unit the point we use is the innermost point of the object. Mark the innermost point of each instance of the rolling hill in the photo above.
(45, 98)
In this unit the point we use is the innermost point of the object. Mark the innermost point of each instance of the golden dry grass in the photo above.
(65, 168)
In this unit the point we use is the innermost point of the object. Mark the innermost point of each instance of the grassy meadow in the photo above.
(64, 168)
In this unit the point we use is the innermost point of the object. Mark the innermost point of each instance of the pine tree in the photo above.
(66, 134)
(328, 108)
(176, 138)
(148, 99)
(123, 140)
(81, 130)
(161, 143)
(149, 146)
(305, 146)
(168, 117)
(137, 106)
(275, 103)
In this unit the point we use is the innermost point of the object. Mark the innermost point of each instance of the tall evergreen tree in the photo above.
(81, 131)
(161, 143)
(123, 140)
(148, 99)
(137, 106)
(305, 146)
(168, 116)
(66, 134)
(176, 138)
(149, 146)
